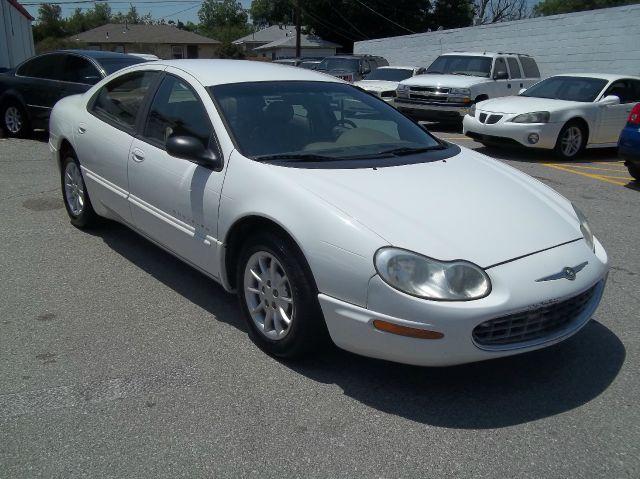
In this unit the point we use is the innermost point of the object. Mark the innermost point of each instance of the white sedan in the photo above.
(383, 82)
(565, 113)
(328, 212)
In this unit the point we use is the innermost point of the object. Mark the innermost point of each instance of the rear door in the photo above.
(529, 70)
(40, 85)
(515, 73)
(103, 137)
(501, 87)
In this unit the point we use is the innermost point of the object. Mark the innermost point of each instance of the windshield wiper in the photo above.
(408, 150)
(464, 73)
(301, 157)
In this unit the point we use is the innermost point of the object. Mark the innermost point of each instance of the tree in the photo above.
(554, 7)
(50, 23)
(269, 12)
(226, 21)
(453, 13)
(493, 11)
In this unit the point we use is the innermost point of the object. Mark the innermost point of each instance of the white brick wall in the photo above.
(602, 41)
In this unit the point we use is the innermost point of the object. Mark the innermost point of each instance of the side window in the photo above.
(47, 67)
(514, 68)
(177, 110)
(635, 90)
(80, 70)
(530, 67)
(622, 90)
(119, 100)
(499, 66)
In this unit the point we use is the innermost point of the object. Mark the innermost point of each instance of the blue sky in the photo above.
(168, 9)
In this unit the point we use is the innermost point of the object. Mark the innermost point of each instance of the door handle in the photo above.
(81, 129)
(137, 155)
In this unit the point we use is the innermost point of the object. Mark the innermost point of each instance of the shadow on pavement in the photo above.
(490, 394)
(514, 153)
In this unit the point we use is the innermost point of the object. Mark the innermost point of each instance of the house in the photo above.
(310, 46)
(15, 34)
(164, 41)
(264, 36)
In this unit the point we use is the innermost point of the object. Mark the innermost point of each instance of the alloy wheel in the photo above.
(268, 296)
(74, 188)
(571, 141)
(13, 119)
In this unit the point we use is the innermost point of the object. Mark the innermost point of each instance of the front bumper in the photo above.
(425, 111)
(514, 290)
(515, 133)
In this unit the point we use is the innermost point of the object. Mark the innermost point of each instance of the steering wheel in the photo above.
(346, 123)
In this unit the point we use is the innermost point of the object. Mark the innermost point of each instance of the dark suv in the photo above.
(351, 67)
(28, 93)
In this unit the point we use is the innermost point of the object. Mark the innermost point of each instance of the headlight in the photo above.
(536, 117)
(402, 90)
(428, 278)
(472, 110)
(459, 91)
(585, 228)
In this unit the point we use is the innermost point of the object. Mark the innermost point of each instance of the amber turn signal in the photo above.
(406, 331)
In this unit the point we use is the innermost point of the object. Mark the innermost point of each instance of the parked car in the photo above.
(455, 81)
(28, 93)
(293, 62)
(564, 113)
(383, 81)
(351, 68)
(310, 64)
(629, 143)
(322, 223)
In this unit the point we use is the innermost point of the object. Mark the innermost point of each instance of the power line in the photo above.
(382, 16)
(77, 2)
(348, 22)
(180, 11)
(332, 28)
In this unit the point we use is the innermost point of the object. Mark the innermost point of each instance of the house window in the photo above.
(177, 51)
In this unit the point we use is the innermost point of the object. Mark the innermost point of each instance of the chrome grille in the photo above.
(429, 89)
(493, 119)
(534, 324)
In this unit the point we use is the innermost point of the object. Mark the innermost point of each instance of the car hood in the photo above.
(523, 104)
(450, 81)
(468, 207)
(377, 85)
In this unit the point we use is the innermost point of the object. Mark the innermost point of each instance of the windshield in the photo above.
(348, 64)
(461, 65)
(111, 65)
(390, 74)
(567, 88)
(298, 120)
(309, 65)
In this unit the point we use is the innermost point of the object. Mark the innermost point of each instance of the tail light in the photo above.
(634, 117)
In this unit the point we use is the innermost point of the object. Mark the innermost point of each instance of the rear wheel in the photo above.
(571, 141)
(278, 297)
(74, 193)
(15, 121)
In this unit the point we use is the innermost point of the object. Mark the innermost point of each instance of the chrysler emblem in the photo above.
(567, 272)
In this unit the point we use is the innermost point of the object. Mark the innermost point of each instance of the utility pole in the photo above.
(297, 6)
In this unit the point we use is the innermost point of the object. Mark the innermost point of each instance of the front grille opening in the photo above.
(531, 325)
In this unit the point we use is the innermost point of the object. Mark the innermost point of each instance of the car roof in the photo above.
(219, 72)
(602, 76)
(398, 67)
(96, 54)
(484, 54)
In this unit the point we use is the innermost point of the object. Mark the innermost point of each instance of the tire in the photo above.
(571, 141)
(274, 283)
(74, 193)
(634, 170)
(15, 121)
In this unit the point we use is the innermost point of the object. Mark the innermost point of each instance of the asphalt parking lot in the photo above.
(120, 361)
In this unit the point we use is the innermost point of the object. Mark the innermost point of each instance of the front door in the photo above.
(174, 201)
(613, 118)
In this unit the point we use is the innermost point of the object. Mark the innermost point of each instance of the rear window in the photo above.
(111, 65)
(530, 68)
(348, 64)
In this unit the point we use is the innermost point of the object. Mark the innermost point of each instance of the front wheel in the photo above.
(74, 193)
(278, 297)
(634, 170)
(571, 141)
(15, 121)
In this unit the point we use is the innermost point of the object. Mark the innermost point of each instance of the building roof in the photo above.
(121, 33)
(267, 35)
(21, 9)
(306, 41)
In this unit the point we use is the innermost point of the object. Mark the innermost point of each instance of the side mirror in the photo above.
(365, 70)
(191, 149)
(610, 100)
(501, 75)
(522, 90)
